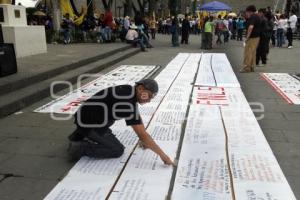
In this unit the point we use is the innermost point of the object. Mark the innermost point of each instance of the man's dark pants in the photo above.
(94, 142)
(185, 37)
(262, 50)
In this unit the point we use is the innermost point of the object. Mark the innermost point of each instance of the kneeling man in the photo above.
(93, 136)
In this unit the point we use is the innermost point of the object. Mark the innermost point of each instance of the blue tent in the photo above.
(215, 6)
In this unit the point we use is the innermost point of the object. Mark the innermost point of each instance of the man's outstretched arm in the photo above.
(149, 143)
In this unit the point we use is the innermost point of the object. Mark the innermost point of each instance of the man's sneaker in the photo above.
(290, 47)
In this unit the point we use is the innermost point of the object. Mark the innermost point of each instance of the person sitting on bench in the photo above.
(134, 38)
(93, 136)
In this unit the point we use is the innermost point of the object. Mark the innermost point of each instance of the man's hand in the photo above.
(148, 142)
(167, 160)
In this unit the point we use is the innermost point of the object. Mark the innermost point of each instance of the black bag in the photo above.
(8, 63)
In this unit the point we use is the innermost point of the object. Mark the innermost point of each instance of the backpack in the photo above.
(220, 26)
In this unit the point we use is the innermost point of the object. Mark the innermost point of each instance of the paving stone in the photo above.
(285, 149)
(275, 107)
(275, 136)
(292, 136)
(29, 119)
(288, 163)
(25, 188)
(279, 124)
(35, 147)
(24, 132)
(36, 167)
(4, 157)
(269, 115)
(294, 182)
(2, 139)
(292, 116)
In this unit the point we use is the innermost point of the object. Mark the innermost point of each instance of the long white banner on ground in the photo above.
(224, 153)
(216, 70)
(145, 176)
(69, 103)
(286, 85)
(93, 179)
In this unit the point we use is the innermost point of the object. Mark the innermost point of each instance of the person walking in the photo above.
(252, 39)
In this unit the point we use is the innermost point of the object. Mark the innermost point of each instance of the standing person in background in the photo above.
(293, 21)
(67, 25)
(208, 33)
(127, 23)
(261, 51)
(252, 39)
(174, 32)
(108, 22)
(169, 24)
(153, 27)
(269, 29)
(220, 28)
(234, 28)
(203, 36)
(274, 33)
(240, 28)
(289, 35)
(125, 28)
(226, 31)
(185, 30)
(281, 25)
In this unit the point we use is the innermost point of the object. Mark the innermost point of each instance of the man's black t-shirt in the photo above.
(107, 106)
(256, 22)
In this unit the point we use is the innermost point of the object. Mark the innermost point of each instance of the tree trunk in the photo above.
(56, 14)
(152, 7)
(173, 7)
(128, 10)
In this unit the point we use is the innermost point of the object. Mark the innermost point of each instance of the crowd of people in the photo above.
(267, 27)
(106, 28)
(262, 27)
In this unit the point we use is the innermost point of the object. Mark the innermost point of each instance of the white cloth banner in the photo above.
(145, 176)
(216, 70)
(286, 85)
(69, 103)
(93, 179)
